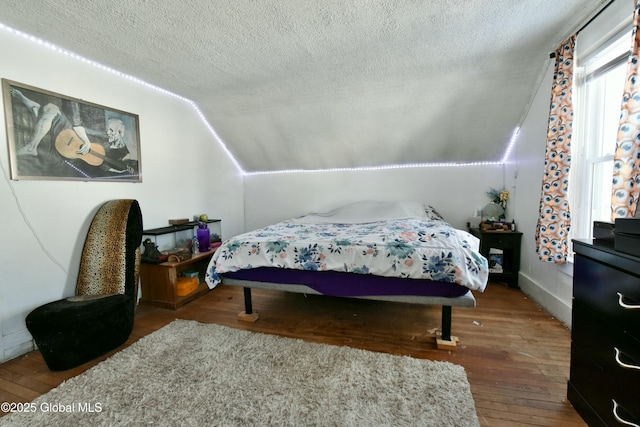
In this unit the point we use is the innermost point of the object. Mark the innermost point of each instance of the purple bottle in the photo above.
(204, 237)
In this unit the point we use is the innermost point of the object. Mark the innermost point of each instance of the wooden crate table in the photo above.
(159, 281)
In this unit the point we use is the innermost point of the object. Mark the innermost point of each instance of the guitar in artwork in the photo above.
(68, 143)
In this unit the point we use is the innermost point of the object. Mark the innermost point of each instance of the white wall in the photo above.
(548, 284)
(185, 172)
(551, 285)
(453, 191)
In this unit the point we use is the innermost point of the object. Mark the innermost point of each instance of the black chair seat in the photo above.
(73, 332)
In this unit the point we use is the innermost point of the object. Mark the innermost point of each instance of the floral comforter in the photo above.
(420, 248)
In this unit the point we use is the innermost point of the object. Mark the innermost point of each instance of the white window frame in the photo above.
(607, 56)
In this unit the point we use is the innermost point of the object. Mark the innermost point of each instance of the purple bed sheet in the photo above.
(343, 284)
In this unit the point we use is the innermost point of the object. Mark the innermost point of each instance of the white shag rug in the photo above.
(195, 374)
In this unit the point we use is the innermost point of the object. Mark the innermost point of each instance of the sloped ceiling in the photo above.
(300, 84)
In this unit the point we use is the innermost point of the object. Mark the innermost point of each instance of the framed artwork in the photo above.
(56, 137)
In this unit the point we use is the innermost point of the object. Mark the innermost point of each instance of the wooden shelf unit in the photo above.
(159, 281)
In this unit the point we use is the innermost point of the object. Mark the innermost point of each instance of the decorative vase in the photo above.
(204, 237)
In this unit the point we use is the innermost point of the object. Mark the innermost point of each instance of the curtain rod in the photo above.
(553, 54)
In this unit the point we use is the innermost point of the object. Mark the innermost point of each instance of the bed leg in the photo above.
(446, 322)
(248, 315)
(446, 341)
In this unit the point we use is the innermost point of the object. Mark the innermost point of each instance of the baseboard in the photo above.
(555, 306)
(16, 344)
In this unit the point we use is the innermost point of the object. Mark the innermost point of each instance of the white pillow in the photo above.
(364, 212)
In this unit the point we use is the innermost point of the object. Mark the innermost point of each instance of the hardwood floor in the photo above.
(516, 355)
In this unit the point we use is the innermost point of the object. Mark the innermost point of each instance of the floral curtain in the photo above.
(554, 217)
(626, 162)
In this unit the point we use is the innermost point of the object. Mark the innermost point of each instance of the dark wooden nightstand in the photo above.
(508, 242)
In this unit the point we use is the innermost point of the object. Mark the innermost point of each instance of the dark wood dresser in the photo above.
(604, 382)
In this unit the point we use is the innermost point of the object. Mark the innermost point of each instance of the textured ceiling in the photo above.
(300, 84)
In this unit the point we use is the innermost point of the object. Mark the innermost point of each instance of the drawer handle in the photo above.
(627, 306)
(621, 363)
(620, 420)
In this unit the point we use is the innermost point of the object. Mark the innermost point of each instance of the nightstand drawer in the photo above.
(499, 240)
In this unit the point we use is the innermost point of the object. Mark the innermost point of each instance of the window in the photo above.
(599, 80)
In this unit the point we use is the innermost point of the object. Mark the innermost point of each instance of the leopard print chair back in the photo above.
(111, 254)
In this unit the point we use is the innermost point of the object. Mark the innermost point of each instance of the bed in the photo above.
(389, 251)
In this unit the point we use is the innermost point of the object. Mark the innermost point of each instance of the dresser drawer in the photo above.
(601, 391)
(613, 350)
(607, 290)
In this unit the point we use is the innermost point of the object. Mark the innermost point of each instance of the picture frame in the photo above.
(57, 137)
